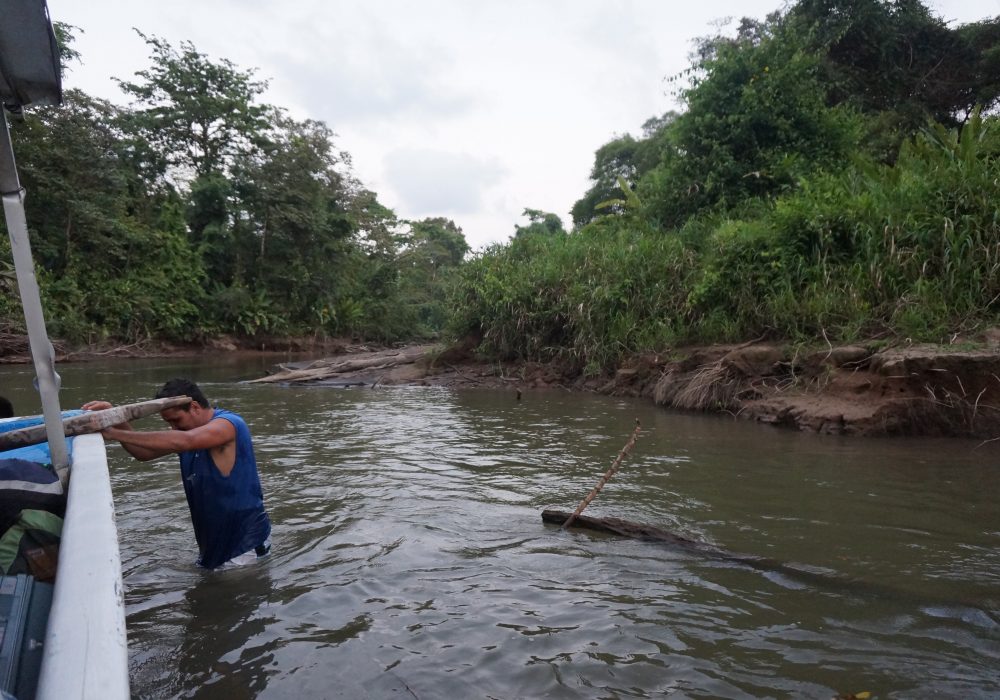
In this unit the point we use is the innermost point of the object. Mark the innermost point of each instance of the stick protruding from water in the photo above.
(604, 479)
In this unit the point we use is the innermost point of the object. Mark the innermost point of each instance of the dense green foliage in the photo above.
(199, 211)
(833, 174)
(831, 177)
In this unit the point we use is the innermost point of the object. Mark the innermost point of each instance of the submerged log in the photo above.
(617, 526)
(818, 577)
(640, 531)
(90, 422)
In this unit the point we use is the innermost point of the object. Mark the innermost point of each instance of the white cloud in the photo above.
(430, 182)
(347, 82)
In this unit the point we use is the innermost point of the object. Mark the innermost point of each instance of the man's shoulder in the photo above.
(234, 418)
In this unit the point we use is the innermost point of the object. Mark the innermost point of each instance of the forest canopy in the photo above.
(199, 210)
(831, 173)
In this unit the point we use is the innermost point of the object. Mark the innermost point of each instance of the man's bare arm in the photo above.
(141, 453)
(146, 445)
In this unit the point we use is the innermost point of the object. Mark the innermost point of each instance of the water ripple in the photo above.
(410, 559)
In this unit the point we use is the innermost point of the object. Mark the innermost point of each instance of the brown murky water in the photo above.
(410, 559)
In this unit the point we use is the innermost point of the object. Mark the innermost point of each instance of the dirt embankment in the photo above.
(855, 390)
(852, 390)
(913, 390)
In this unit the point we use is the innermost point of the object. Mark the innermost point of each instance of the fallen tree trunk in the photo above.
(324, 369)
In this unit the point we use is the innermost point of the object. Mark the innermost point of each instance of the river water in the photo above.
(410, 559)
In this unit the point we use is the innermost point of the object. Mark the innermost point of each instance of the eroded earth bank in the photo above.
(852, 390)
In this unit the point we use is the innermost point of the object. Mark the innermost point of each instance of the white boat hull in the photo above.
(85, 654)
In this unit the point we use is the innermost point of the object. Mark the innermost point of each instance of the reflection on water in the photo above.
(410, 559)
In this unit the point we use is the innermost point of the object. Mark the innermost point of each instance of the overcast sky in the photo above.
(468, 109)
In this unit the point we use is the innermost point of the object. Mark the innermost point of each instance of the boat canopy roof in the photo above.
(29, 55)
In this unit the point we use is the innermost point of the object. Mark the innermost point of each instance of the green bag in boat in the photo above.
(31, 545)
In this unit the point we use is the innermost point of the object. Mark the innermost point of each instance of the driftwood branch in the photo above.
(604, 479)
(324, 369)
(90, 422)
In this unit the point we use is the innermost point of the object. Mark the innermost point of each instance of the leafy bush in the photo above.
(912, 248)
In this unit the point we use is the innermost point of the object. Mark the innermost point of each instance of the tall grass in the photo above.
(584, 299)
(911, 249)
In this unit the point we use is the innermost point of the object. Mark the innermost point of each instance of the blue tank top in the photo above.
(227, 512)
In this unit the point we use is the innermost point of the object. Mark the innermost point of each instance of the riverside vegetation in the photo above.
(832, 180)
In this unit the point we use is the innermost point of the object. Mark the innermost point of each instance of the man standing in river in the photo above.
(218, 470)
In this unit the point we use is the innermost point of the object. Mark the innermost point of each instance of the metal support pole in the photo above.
(42, 353)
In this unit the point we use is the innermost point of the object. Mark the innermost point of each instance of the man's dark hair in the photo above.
(182, 387)
(6, 408)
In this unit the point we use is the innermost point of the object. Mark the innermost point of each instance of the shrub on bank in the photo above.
(911, 248)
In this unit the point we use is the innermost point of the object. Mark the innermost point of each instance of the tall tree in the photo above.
(294, 232)
(194, 118)
(623, 159)
(434, 248)
(539, 223)
(757, 119)
(200, 113)
(896, 55)
(378, 229)
(438, 240)
(112, 252)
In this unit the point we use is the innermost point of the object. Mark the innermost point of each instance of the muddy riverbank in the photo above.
(860, 389)
(853, 390)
